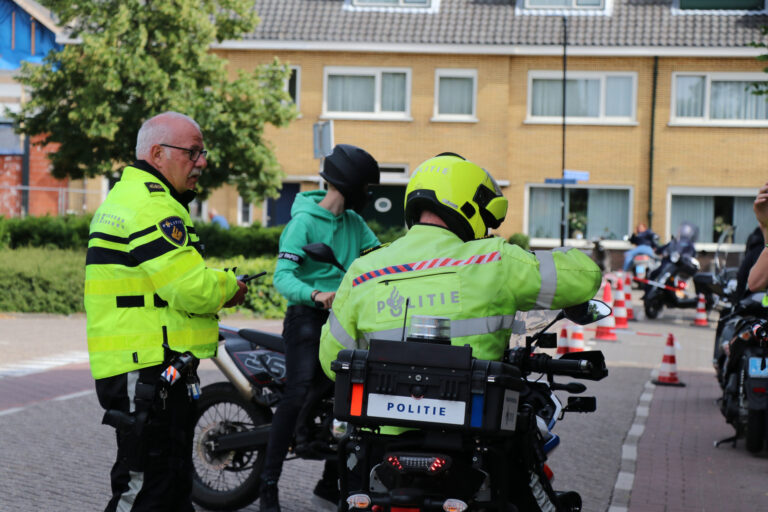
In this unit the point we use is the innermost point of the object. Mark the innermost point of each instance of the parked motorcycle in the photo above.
(480, 427)
(234, 417)
(666, 286)
(745, 374)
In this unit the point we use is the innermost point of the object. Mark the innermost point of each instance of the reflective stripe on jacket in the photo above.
(145, 281)
(479, 285)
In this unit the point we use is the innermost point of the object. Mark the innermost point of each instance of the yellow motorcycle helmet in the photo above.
(461, 193)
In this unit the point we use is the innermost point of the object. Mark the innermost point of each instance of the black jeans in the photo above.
(153, 468)
(301, 331)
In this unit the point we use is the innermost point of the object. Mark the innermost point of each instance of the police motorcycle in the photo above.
(479, 430)
(234, 417)
(666, 286)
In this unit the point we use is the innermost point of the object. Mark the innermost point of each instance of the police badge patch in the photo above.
(174, 230)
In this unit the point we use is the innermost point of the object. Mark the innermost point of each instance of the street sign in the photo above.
(560, 181)
(576, 175)
(322, 138)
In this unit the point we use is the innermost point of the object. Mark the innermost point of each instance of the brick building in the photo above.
(27, 34)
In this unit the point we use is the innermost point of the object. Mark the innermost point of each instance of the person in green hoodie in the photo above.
(332, 217)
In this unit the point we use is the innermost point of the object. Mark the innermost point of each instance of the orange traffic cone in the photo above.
(628, 298)
(562, 340)
(619, 311)
(668, 369)
(576, 343)
(606, 327)
(701, 312)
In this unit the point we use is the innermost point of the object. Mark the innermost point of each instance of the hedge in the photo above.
(41, 280)
(71, 232)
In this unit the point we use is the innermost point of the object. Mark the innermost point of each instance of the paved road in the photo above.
(647, 448)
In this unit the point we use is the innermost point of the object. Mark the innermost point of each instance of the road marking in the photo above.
(42, 364)
(625, 480)
(61, 398)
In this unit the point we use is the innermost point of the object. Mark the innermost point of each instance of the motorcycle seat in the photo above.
(265, 339)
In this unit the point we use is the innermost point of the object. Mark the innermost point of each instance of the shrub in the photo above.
(250, 241)
(386, 234)
(65, 232)
(520, 239)
(36, 280)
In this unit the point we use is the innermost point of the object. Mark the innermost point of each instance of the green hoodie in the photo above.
(296, 275)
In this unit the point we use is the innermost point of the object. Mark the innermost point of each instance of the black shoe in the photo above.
(326, 494)
(268, 498)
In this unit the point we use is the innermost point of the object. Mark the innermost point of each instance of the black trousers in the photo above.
(301, 331)
(153, 469)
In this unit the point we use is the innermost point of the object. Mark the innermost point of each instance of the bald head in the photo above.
(169, 142)
(160, 129)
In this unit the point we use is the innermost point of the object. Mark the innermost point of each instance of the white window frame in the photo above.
(377, 114)
(240, 220)
(573, 242)
(602, 119)
(432, 6)
(297, 102)
(527, 5)
(709, 77)
(740, 12)
(523, 8)
(705, 191)
(455, 73)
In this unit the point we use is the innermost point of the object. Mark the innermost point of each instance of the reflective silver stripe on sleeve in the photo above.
(340, 333)
(548, 279)
(459, 328)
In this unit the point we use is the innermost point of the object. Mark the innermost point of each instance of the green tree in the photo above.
(762, 87)
(132, 59)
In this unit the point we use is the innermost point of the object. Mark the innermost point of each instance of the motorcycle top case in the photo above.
(425, 386)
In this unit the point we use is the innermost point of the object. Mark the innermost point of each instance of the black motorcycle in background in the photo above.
(666, 286)
(745, 379)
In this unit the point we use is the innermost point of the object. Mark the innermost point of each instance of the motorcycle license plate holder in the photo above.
(754, 368)
(394, 384)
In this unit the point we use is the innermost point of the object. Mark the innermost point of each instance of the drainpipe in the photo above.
(25, 178)
(651, 145)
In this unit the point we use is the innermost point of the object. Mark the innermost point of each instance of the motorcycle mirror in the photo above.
(587, 312)
(323, 253)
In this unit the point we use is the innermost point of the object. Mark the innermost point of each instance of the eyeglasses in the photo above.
(194, 154)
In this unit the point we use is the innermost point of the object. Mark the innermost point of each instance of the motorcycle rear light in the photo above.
(454, 505)
(758, 390)
(432, 464)
(682, 285)
(359, 501)
(548, 473)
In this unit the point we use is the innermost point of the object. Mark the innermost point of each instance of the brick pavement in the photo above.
(679, 469)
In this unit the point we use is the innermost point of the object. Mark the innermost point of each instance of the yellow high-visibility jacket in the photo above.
(478, 285)
(146, 283)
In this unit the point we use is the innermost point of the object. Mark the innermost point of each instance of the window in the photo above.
(10, 142)
(367, 93)
(590, 212)
(722, 99)
(244, 212)
(396, 3)
(564, 4)
(730, 5)
(455, 95)
(590, 98)
(713, 213)
(292, 85)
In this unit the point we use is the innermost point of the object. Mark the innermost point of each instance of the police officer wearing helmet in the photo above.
(447, 266)
(151, 302)
(331, 217)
